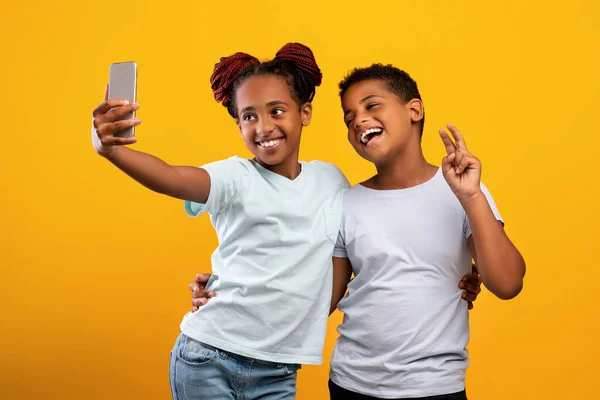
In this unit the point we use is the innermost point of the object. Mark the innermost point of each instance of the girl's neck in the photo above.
(289, 168)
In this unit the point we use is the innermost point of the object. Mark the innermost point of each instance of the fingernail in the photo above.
(137, 121)
(211, 294)
(203, 301)
(195, 289)
(125, 101)
(135, 106)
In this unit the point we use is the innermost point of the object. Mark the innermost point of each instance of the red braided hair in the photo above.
(225, 74)
(303, 58)
(294, 62)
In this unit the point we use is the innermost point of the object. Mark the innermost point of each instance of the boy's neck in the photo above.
(406, 170)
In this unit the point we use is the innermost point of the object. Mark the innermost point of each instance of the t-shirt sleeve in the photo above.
(492, 204)
(340, 178)
(340, 247)
(228, 180)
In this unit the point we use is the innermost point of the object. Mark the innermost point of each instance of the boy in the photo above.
(409, 234)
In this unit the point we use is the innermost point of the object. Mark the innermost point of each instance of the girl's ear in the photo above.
(306, 113)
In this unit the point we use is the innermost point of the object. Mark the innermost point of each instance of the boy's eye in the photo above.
(349, 121)
(277, 111)
(371, 105)
(248, 117)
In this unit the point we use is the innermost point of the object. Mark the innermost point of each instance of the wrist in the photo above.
(468, 200)
(101, 149)
(107, 152)
(111, 153)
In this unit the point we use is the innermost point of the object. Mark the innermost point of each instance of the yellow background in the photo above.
(94, 267)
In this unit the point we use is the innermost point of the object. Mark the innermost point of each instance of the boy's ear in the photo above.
(416, 110)
(306, 113)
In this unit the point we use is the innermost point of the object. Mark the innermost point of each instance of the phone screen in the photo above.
(122, 85)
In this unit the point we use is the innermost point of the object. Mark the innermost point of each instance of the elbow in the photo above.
(512, 286)
(509, 292)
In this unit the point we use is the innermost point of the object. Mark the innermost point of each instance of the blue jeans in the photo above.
(199, 371)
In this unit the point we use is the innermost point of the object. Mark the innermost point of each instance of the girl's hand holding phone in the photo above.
(107, 124)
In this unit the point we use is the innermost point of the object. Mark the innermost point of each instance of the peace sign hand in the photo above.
(461, 169)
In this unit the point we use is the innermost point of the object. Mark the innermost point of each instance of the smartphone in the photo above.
(122, 85)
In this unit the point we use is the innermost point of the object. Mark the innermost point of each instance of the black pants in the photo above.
(339, 393)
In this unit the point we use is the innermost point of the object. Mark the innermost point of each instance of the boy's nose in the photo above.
(359, 122)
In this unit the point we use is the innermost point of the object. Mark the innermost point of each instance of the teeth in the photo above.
(269, 143)
(368, 132)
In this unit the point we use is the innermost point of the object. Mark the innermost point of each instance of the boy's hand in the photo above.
(471, 286)
(107, 121)
(462, 170)
(200, 296)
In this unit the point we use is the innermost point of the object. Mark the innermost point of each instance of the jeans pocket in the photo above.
(195, 353)
(292, 368)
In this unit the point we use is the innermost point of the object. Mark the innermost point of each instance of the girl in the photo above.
(277, 221)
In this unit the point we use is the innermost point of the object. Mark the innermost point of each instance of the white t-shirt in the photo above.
(405, 327)
(273, 264)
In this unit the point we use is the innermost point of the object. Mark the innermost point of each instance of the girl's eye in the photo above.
(277, 111)
(349, 121)
(371, 105)
(248, 117)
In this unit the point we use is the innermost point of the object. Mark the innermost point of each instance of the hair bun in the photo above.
(303, 58)
(225, 73)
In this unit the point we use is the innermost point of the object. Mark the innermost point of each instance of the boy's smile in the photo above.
(379, 123)
(369, 135)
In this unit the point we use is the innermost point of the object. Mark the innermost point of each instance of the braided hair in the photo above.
(294, 62)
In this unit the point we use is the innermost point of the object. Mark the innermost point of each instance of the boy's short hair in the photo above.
(397, 81)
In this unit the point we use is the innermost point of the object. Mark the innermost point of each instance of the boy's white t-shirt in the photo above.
(273, 265)
(405, 327)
